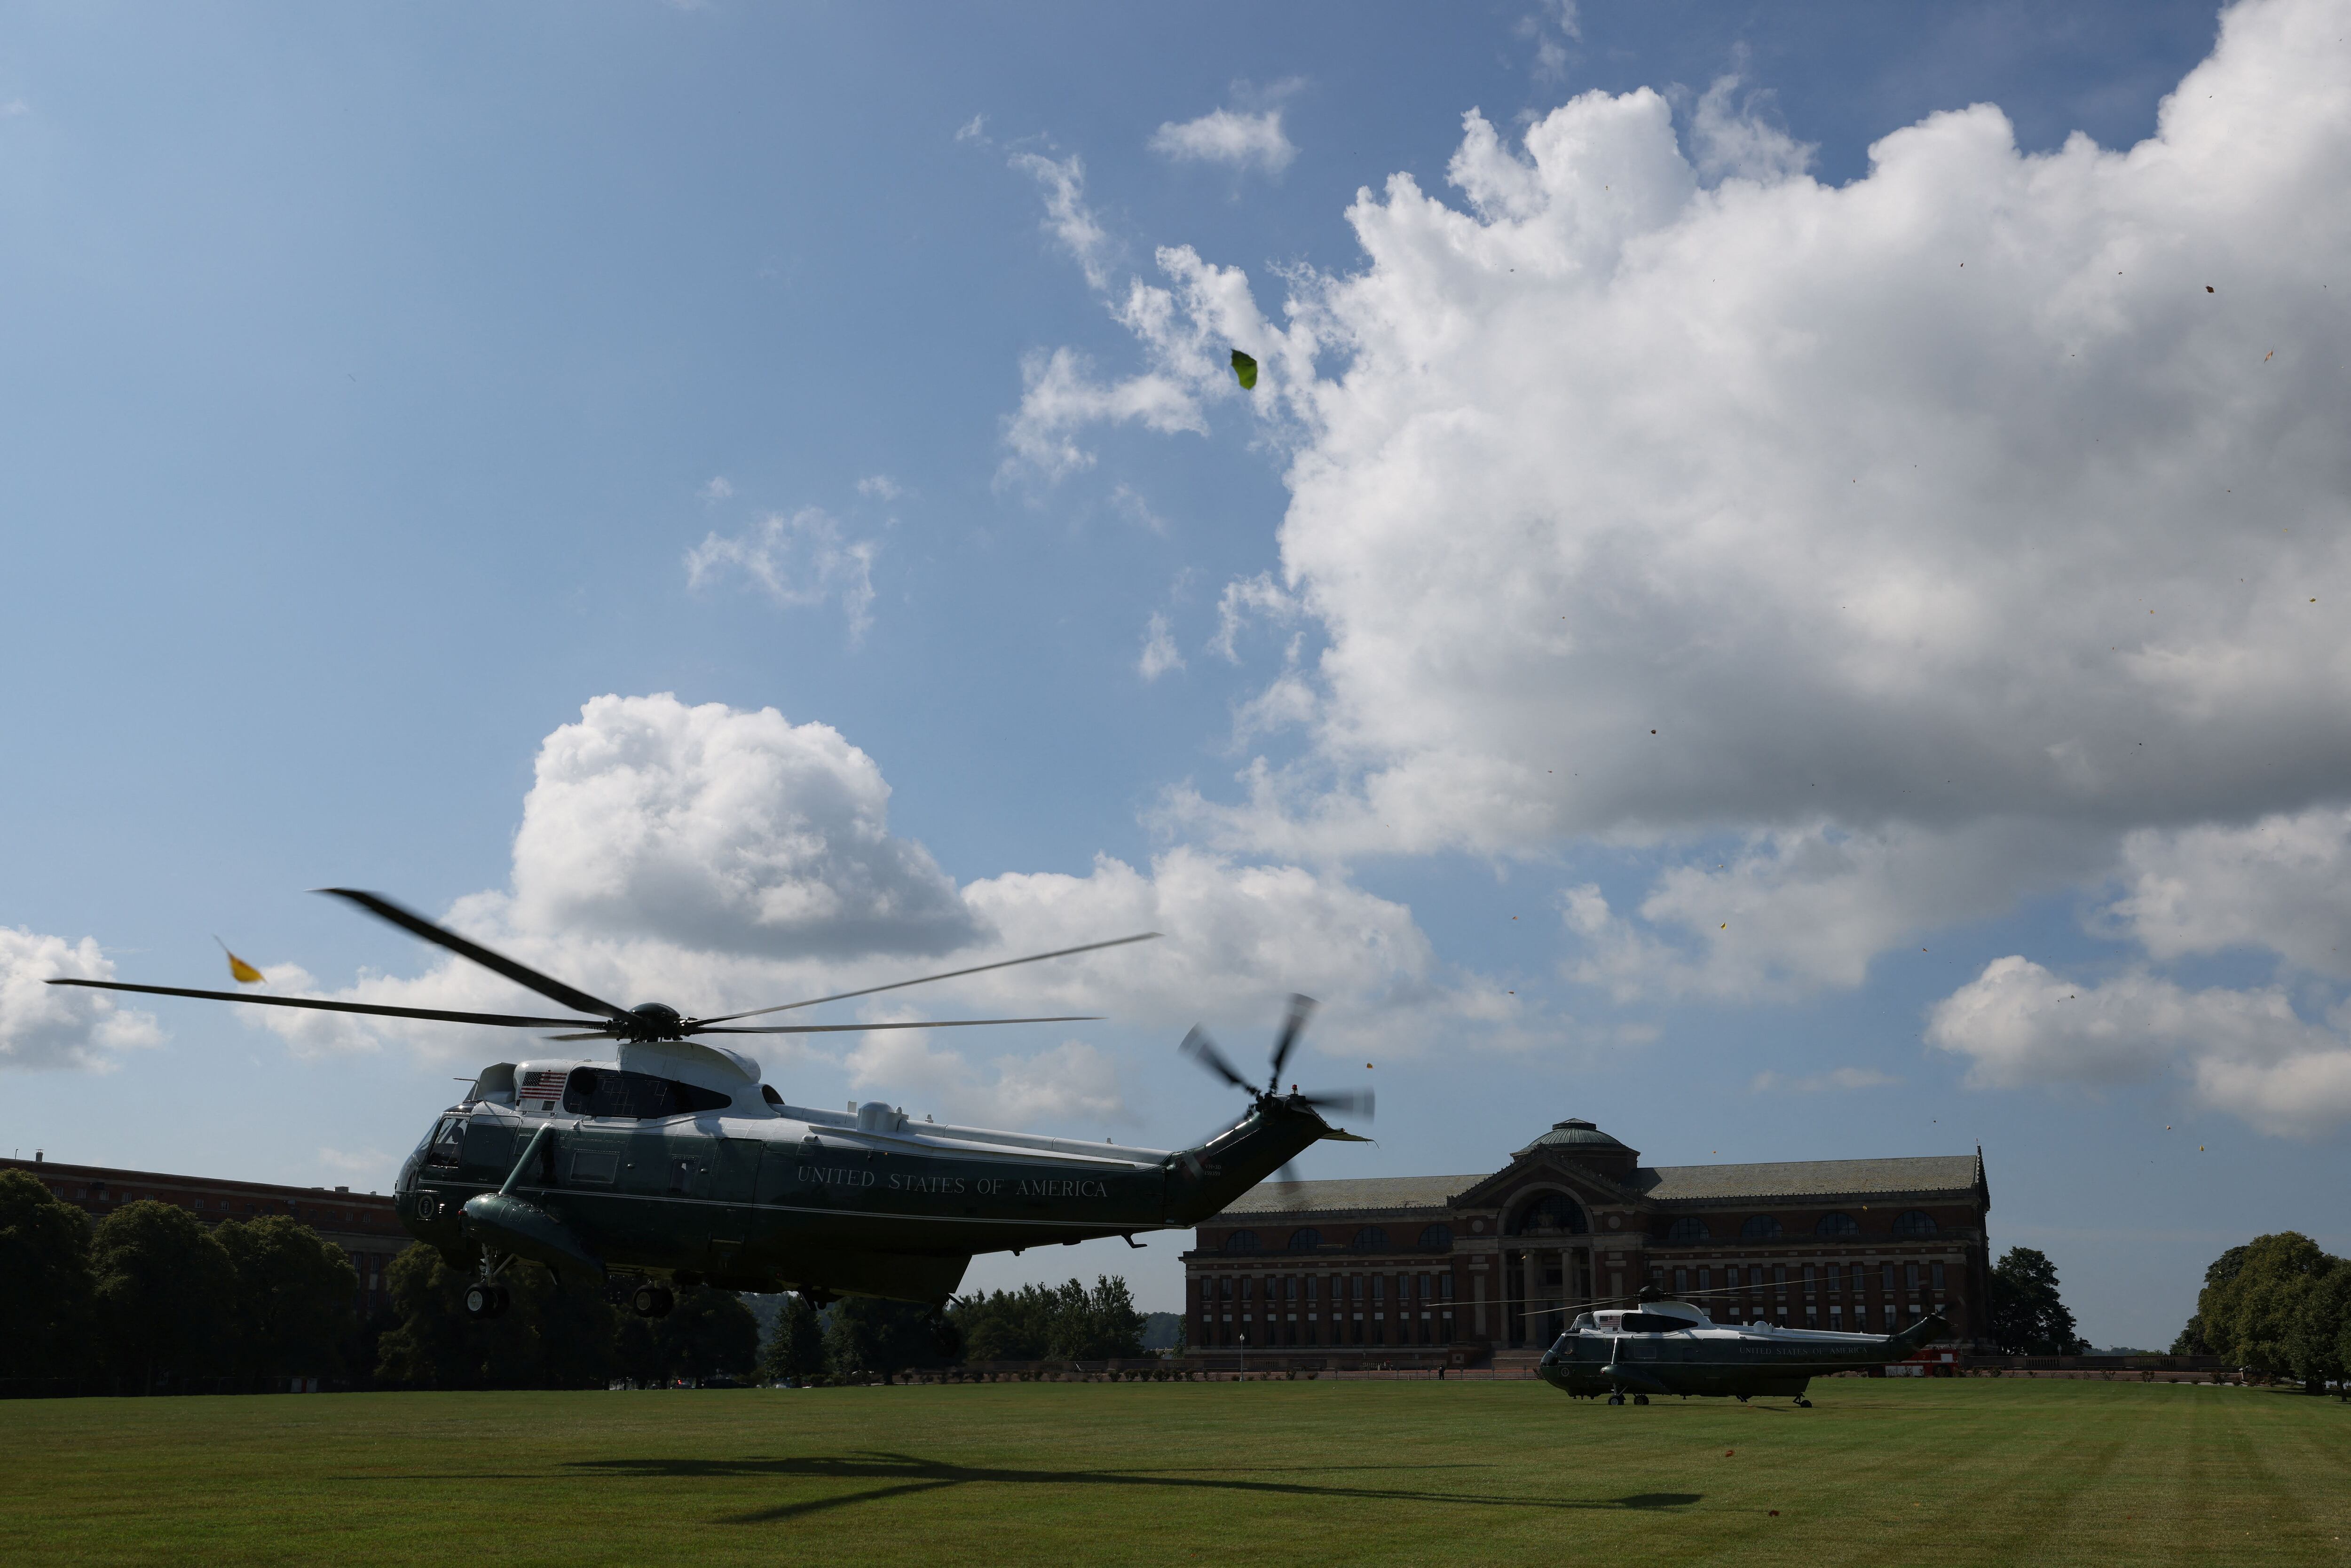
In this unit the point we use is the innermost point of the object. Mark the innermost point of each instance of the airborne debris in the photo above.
(1245, 370)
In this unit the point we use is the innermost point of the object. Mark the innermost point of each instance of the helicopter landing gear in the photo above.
(1802, 1403)
(1743, 1399)
(485, 1301)
(1615, 1399)
(1640, 1399)
(652, 1301)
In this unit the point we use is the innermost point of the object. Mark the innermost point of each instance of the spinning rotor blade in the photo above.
(861, 1028)
(504, 1020)
(1347, 1102)
(926, 979)
(1300, 1008)
(1202, 1050)
(416, 924)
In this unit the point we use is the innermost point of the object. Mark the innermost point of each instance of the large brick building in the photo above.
(1426, 1270)
(362, 1223)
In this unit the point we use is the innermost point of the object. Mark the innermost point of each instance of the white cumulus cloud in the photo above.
(721, 860)
(1653, 492)
(2245, 1052)
(45, 1026)
(1159, 654)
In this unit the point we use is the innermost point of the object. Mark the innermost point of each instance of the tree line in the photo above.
(2279, 1306)
(150, 1300)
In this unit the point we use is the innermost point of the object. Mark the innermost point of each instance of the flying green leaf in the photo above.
(1245, 369)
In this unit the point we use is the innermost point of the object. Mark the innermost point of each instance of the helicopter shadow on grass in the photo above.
(906, 1475)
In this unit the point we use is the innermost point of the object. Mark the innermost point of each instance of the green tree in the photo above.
(864, 1336)
(295, 1303)
(2027, 1316)
(1062, 1322)
(795, 1349)
(166, 1292)
(707, 1331)
(2318, 1339)
(551, 1336)
(1005, 1326)
(1096, 1324)
(2258, 1312)
(2193, 1340)
(47, 1290)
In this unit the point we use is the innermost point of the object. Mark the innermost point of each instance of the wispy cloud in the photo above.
(1159, 654)
(797, 560)
(1228, 136)
(1067, 217)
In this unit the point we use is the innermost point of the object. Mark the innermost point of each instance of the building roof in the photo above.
(1574, 1133)
(1296, 1198)
(1783, 1179)
(1778, 1181)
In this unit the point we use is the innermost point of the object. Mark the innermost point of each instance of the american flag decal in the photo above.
(545, 1086)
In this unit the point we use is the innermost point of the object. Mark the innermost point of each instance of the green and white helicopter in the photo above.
(1654, 1345)
(666, 1162)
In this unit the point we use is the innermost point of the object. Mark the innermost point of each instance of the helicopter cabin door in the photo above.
(733, 1188)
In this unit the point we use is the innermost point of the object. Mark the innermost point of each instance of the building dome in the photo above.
(1578, 1136)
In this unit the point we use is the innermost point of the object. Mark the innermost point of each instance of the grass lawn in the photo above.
(1882, 1472)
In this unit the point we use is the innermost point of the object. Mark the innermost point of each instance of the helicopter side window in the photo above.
(638, 1096)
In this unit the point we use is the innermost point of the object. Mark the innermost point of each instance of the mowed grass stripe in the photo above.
(1882, 1471)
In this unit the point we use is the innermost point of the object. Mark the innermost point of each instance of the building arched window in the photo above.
(1437, 1238)
(1836, 1222)
(1915, 1222)
(1552, 1214)
(1305, 1240)
(1688, 1227)
(1369, 1239)
(1760, 1228)
(1240, 1241)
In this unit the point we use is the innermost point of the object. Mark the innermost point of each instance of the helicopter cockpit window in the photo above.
(604, 1092)
(447, 1142)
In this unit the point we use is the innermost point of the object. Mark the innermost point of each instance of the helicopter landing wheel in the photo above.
(1743, 1399)
(652, 1301)
(1615, 1399)
(1640, 1399)
(485, 1301)
(1802, 1403)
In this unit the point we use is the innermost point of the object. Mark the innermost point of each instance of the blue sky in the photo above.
(390, 386)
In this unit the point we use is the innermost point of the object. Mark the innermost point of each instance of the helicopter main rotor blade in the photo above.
(1202, 1050)
(416, 924)
(861, 1028)
(1349, 1101)
(502, 1020)
(1300, 1008)
(926, 979)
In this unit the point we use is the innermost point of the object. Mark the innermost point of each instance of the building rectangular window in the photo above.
(1780, 1275)
(1910, 1275)
(1836, 1315)
(1889, 1317)
(1705, 1280)
(1445, 1287)
(1888, 1281)
(1681, 1281)
(1810, 1284)
(1939, 1276)
(1224, 1288)
(1355, 1286)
